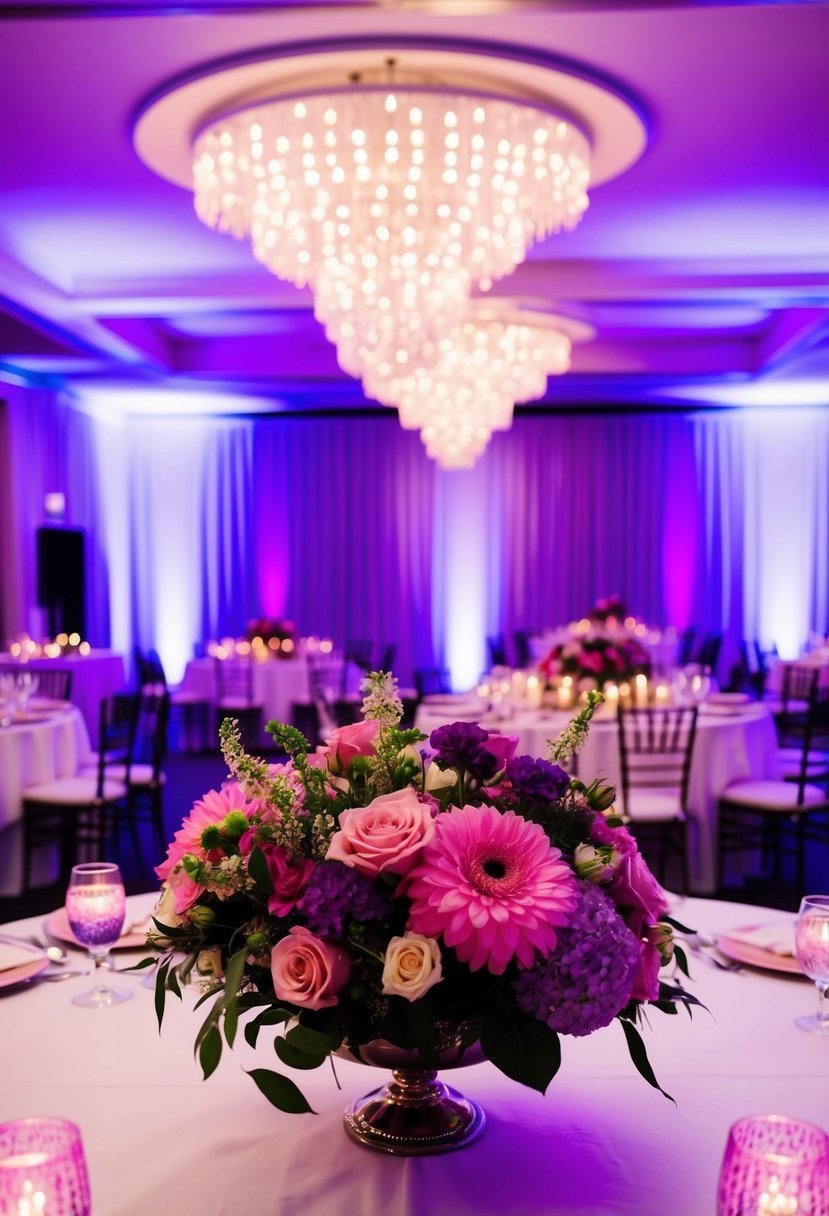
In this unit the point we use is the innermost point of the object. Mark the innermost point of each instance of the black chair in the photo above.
(685, 647)
(144, 775)
(357, 654)
(431, 681)
(497, 651)
(389, 654)
(71, 813)
(708, 654)
(781, 817)
(656, 747)
(523, 650)
(796, 716)
(235, 698)
(189, 711)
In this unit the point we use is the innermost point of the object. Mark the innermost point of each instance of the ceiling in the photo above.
(703, 269)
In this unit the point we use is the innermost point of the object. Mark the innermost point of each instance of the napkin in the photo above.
(777, 939)
(14, 956)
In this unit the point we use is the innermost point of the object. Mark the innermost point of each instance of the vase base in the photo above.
(415, 1115)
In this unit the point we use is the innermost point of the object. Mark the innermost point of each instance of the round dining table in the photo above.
(733, 743)
(601, 1141)
(44, 743)
(95, 676)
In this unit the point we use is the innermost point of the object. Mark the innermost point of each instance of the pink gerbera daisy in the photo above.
(493, 886)
(207, 811)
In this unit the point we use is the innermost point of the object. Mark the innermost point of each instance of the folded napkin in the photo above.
(777, 939)
(14, 956)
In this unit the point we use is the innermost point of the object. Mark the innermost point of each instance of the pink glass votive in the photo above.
(774, 1166)
(42, 1169)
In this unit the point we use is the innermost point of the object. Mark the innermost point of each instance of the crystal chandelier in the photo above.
(391, 201)
(486, 365)
(396, 179)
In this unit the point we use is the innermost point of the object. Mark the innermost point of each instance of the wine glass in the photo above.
(811, 945)
(26, 684)
(8, 699)
(95, 907)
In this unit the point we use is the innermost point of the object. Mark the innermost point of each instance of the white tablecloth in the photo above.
(94, 676)
(276, 684)
(728, 747)
(601, 1143)
(30, 754)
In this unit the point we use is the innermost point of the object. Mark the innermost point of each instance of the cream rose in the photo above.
(388, 834)
(412, 966)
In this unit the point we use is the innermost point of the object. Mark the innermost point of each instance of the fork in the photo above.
(701, 943)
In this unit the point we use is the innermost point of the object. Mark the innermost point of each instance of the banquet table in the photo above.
(732, 744)
(51, 744)
(277, 683)
(96, 675)
(601, 1142)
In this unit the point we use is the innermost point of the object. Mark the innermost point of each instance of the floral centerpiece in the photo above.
(271, 629)
(592, 658)
(609, 608)
(372, 892)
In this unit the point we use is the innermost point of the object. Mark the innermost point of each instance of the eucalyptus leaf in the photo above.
(280, 1091)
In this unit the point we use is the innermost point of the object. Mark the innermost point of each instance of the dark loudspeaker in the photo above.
(60, 578)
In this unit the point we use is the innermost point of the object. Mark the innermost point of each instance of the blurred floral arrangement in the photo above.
(593, 658)
(373, 889)
(609, 608)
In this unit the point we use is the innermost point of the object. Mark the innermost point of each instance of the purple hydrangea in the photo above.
(463, 745)
(589, 976)
(537, 780)
(335, 892)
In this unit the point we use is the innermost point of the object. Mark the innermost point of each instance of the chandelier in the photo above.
(394, 183)
(500, 356)
(391, 202)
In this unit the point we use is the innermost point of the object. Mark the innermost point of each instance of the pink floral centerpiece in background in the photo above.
(386, 886)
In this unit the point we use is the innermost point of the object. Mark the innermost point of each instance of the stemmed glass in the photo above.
(8, 699)
(26, 684)
(96, 907)
(811, 944)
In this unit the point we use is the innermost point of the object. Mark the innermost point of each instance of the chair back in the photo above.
(497, 650)
(149, 669)
(431, 681)
(656, 748)
(358, 653)
(523, 651)
(117, 722)
(234, 682)
(151, 730)
(51, 682)
(709, 651)
(387, 658)
(814, 743)
(686, 646)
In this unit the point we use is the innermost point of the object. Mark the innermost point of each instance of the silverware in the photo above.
(704, 946)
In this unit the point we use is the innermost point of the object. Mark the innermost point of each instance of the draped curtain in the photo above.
(342, 524)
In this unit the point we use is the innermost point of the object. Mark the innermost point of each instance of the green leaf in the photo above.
(252, 1033)
(171, 931)
(233, 975)
(260, 871)
(172, 982)
(521, 1046)
(312, 1042)
(210, 1051)
(205, 996)
(681, 959)
(145, 962)
(294, 1057)
(161, 991)
(280, 1091)
(639, 1055)
(231, 1022)
(675, 924)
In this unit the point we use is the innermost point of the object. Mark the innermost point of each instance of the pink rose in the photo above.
(646, 979)
(637, 894)
(290, 877)
(185, 889)
(388, 834)
(307, 971)
(503, 748)
(347, 742)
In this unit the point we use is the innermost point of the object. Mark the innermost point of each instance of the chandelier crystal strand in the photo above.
(391, 203)
(483, 368)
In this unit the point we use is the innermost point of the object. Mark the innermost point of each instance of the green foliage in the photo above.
(521, 1046)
